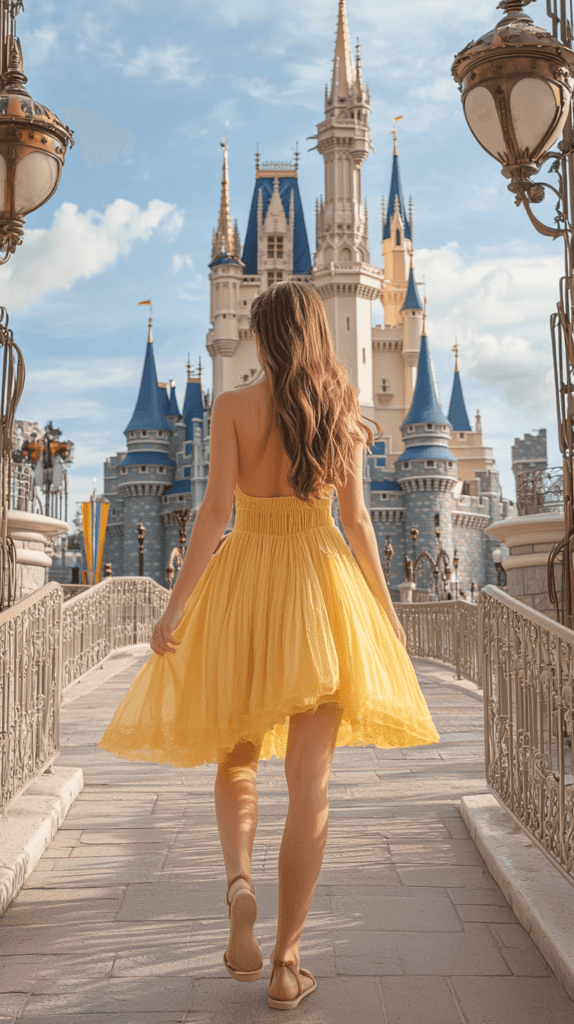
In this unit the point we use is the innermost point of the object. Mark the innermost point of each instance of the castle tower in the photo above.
(225, 276)
(412, 315)
(146, 471)
(342, 274)
(427, 469)
(466, 444)
(397, 246)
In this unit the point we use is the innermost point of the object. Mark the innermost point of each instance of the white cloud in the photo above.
(38, 44)
(173, 62)
(497, 305)
(179, 262)
(80, 245)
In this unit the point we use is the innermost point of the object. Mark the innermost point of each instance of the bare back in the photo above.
(263, 462)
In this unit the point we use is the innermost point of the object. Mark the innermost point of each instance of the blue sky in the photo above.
(148, 88)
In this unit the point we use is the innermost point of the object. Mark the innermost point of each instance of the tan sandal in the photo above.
(242, 916)
(290, 1004)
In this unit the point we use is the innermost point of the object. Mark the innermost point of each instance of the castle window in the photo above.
(143, 469)
(385, 387)
(123, 469)
(451, 464)
(398, 238)
(275, 247)
(462, 436)
(159, 433)
(144, 433)
(161, 469)
(273, 276)
(429, 462)
(406, 465)
(429, 426)
(364, 355)
(348, 323)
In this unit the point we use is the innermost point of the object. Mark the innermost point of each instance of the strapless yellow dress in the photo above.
(281, 620)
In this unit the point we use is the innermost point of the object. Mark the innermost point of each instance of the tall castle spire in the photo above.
(343, 73)
(224, 239)
(149, 412)
(457, 413)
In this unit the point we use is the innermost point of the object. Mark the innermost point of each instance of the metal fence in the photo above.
(527, 668)
(540, 490)
(446, 630)
(30, 688)
(44, 646)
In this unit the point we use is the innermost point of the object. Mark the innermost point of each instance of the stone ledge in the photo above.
(541, 898)
(29, 825)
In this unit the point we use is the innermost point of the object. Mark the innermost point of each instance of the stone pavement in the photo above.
(124, 921)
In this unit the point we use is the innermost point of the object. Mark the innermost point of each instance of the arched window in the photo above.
(398, 237)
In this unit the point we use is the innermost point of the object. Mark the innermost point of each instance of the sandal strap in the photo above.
(289, 965)
(235, 880)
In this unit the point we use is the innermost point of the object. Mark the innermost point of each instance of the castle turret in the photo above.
(146, 471)
(343, 276)
(457, 413)
(225, 276)
(397, 246)
(427, 469)
(412, 314)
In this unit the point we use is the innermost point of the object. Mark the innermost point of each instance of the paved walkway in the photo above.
(124, 919)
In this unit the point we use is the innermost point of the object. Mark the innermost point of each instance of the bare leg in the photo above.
(310, 749)
(236, 808)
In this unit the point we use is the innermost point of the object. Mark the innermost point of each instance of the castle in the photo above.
(429, 482)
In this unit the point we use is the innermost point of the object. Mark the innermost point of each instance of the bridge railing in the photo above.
(45, 644)
(446, 630)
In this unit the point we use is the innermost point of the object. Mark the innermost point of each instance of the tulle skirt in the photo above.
(281, 621)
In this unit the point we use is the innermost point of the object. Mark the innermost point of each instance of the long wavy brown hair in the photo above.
(316, 406)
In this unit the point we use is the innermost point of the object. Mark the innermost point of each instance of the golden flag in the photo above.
(146, 302)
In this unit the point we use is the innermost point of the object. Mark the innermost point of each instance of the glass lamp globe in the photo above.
(497, 556)
(33, 144)
(516, 84)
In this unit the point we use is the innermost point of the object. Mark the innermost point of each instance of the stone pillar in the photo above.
(529, 540)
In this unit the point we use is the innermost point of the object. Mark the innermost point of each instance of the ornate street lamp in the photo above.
(516, 83)
(414, 536)
(140, 530)
(33, 141)
(455, 561)
(497, 559)
(388, 552)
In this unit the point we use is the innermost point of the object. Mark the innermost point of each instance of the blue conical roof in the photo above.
(457, 413)
(173, 408)
(396, 192)
(192, 406)
(149, 413)
(425, 406)
(412, 298)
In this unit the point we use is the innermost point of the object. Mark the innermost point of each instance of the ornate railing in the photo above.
(540, 490)
(30, 687)
(446, 630)
(22, 487)
(527, 669)
(44, 646)
(117, 612)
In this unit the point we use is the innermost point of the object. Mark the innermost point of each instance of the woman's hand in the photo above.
(162, 634)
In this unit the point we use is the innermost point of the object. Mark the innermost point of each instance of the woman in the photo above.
(283, 643)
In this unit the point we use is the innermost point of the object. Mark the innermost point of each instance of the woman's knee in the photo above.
(240, 763)
(310, 749)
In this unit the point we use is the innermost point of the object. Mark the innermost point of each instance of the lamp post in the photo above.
(388, 552)
(516, 85)
(141, 534)
(455, 561)
(33, 144)
(497, 559)
(414, 536)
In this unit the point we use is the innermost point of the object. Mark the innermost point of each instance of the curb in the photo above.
(29, 825)
(540, 896)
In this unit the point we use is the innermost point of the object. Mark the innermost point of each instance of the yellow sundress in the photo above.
(281, 620)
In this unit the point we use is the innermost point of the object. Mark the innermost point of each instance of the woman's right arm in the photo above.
(360, 533)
